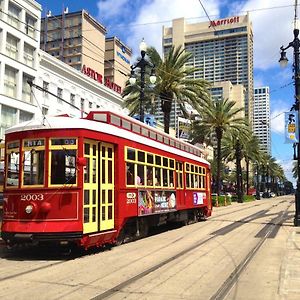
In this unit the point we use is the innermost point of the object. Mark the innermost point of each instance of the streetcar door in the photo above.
(90, 187)
(106, 186)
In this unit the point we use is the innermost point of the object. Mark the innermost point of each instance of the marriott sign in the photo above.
(224, 21)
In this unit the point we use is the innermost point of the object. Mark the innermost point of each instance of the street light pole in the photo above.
(257, 194)
(142, 64)
(295, 44)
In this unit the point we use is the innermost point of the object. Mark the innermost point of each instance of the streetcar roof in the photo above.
(65, 122)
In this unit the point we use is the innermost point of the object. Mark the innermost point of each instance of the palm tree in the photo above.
(175, 82)
(217, 117)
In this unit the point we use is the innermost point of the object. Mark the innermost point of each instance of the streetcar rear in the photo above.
(41, 193)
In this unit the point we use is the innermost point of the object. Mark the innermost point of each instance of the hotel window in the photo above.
(45, 111)
(82, 104)
(72, 99)
(13, 16)
(30, 26)
(45, 88)
(59, 95)
(10, 82)
(28, 55)
(25, 116)
(26, 91)
(12, 46)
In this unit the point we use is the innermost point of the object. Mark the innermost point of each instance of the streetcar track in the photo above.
(226, 285)
(236, 273)
(135, 278)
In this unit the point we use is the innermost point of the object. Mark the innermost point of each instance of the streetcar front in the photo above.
(41, 188)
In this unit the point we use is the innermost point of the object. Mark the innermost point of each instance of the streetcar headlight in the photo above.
(29, 209)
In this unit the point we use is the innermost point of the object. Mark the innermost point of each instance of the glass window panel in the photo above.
(109, 179)
(87, 149)
(13, 160)
(33, 167)
(103, 213)
(109, 212)
(130, 154)
(165, 162)
(150, 158)
(103, 171)
(103, 151)
(94, 170)
(94, 197)
(130, 173)
(157, 160)
(94, 150)
(149, 176)
(86, 197)
(140, 179)
(86, 215)
(165, 177)
(157, 176)
(171, 177)
(110, 198)
(63, 167)
(103, 197)
(86, 171)
(141, 156)
(172, 163)
(94, 214)
(109, 152)
(187, 180)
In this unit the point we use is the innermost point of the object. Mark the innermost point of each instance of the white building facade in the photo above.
(261, 117)
(20, 40)
(66, 90)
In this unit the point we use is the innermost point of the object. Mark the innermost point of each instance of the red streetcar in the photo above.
(98, 180)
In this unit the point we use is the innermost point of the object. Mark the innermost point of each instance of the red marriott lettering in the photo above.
(224, 21)
(98, 77)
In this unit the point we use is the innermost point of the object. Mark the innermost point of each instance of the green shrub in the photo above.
(222, 200)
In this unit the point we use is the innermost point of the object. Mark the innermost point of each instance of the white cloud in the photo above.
(277, 120)
(272, 28)
(161, 12)
(109, 9)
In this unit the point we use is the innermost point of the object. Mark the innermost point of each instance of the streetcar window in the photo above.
(115, 120)
(140, 179)
(136, 128)
(150, 158)
(141, 156)
(33, 167)
(63, 166)
(130, 154)
(130, 173)
(152, 135)
(13, 163)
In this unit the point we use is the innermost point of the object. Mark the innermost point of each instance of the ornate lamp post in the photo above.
(142, 64)
(295, 44)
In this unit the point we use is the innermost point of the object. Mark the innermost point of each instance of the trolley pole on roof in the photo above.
(142, 64)
(295, 44)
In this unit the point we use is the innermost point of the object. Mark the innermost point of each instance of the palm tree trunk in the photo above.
(219, 134)
(239, 179)
(166, 106)
(247, 176)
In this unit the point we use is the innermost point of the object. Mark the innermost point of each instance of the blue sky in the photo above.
(272, 25)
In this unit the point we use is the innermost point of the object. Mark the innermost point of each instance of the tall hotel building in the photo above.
(79, 40)
(261, 117)
(222, 50)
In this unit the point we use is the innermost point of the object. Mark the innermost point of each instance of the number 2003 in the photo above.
(32, 197)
